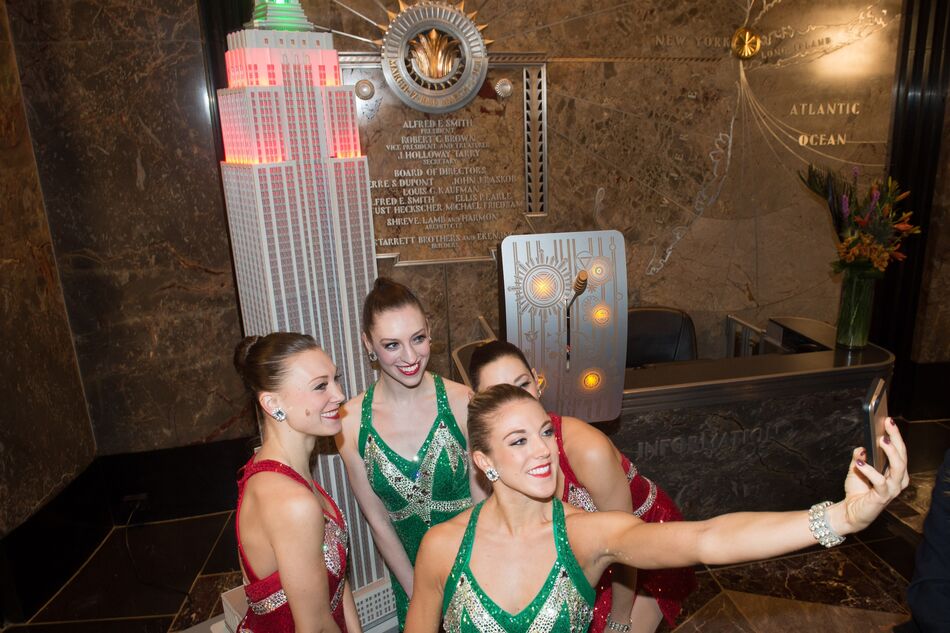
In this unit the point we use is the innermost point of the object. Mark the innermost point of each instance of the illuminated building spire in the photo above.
(279, 15)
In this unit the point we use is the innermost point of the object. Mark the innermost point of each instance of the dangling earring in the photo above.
(542, 383)
(373, 357)
(491, 474)
(279, 414)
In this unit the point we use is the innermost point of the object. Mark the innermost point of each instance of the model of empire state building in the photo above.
(296, 186)
(298, 202)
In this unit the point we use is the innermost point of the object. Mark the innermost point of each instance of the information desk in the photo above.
(768, 432)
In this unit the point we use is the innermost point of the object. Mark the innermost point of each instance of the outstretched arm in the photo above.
(745, 536)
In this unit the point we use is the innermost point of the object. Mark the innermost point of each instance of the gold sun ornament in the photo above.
(746, 44)
(435, 54)
(434, 57)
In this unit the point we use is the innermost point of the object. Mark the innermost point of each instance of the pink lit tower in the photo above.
(298, 201)
(296, 186)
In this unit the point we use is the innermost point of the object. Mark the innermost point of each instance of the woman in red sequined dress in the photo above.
(291, 535)
(596, 476)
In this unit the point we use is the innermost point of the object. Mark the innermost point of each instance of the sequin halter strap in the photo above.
(563, 605)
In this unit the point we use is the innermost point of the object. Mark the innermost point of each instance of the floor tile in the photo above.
(125, 625)
(224, 557)
(204, 599)
(880, 573)
(777, 615)
(828, 577)
(719, 615)
(143, 570)
(706, 590)
(897, 553)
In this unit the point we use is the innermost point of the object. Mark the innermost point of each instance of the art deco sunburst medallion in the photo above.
(433, 54)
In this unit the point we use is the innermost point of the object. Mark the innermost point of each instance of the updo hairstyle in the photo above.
(484, 406)
(488, 353)
(386, 295)
(262, 361)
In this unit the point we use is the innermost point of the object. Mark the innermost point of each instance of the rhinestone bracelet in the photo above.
(616, 626)
(819, 526)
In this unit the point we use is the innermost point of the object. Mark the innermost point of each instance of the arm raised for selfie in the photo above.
(746, 536)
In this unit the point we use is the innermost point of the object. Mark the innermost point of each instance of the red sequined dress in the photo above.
(668, 586)
(267, 607)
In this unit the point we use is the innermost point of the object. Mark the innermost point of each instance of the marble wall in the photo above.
(932, 333)
(657, 130)
(117, 103)
(45, 437)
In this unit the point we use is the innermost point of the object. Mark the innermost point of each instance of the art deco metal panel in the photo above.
(580, 357)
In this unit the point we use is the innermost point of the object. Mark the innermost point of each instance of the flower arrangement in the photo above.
(870, 229)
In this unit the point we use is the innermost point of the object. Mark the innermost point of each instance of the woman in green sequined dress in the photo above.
(404, 439)
(521, 561)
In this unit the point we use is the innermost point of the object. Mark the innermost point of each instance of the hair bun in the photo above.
(242, 351)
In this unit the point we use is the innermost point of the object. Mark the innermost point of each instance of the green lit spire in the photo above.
(279, 15)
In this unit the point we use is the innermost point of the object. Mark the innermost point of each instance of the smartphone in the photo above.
(875, 406)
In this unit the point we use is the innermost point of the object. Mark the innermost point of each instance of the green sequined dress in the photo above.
(564, 604)
(418, 493)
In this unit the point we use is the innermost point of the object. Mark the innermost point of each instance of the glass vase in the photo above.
(854, 316)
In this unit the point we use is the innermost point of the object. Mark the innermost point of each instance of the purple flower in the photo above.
(845, 207)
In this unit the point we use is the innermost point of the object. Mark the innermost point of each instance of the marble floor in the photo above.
(168, 576)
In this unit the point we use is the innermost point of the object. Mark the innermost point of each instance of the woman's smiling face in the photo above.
(400, 339)
(523, 449)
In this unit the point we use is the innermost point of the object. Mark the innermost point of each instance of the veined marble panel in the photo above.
(45, 438)
(118, 103)
(778, 454)
(657, 130)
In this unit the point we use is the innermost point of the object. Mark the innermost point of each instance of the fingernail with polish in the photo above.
(887, 439)
(860, 463)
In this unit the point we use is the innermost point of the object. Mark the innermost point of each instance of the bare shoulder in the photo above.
(457, 392)
(586, 444)
(283, 500)
(352, 410)
(459, 396)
